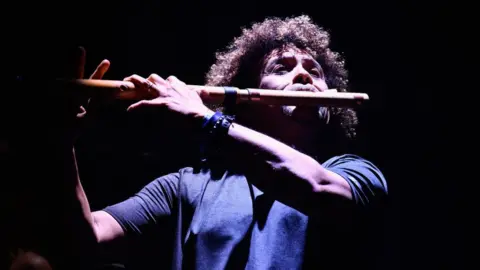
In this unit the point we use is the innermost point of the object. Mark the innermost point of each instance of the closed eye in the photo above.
(317, 72)
(279, 69)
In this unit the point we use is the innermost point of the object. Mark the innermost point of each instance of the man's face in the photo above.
(294, 70)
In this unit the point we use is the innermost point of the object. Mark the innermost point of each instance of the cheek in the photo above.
(272, 82)
(321, 84)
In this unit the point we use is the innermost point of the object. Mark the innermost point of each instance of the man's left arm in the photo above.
(290, 176)
(298, 180)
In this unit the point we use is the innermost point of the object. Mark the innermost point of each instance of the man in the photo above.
(266, 196)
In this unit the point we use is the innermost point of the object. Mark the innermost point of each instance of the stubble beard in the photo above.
(322, 115)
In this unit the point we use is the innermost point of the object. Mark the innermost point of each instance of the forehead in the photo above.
(288, 52)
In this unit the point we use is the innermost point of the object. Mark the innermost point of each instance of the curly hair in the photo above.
(239, 65)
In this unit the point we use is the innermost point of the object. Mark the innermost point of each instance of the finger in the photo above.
(138, 81)
(160, 85)
(178, 85)
(98, 74)
(80, 56)
(82, 112)
(102, 68)
(158, 80)
(175, 82)
(75, 70)
(144, 103)
(143, 87)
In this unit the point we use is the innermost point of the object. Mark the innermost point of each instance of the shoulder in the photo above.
(183, 176)
(192, 182)
(365, 179)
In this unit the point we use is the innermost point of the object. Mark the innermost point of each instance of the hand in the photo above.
(98, 74)
(85, 103)
(172, 94)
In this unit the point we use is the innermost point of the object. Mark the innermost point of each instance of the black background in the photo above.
(406, 55)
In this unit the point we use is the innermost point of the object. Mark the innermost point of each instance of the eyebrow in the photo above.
(280, 58)
(314, 63)
(284, 57)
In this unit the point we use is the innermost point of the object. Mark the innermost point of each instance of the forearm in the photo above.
(284, 172)
(48, 214)
(278, 156)
(80, 196)
(77, 221)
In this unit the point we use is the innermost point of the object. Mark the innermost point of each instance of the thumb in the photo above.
(144, 103)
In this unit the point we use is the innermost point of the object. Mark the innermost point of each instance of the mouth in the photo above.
(301, 87)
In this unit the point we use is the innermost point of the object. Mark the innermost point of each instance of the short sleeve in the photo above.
(152, 204)
(367, 182)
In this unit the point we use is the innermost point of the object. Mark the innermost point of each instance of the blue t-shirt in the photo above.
(224, 222)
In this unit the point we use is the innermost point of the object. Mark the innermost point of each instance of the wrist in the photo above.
(203, 116)
(215, 131)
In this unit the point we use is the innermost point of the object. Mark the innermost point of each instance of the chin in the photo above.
(288, 110)
(307, 115)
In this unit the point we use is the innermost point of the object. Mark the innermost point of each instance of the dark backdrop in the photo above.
(403, 54)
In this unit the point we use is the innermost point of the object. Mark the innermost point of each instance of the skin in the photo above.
(300, 127)
(276, 145)
(268, 147)
(286, 173)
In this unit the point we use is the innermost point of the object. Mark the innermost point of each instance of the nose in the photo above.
(302, 77)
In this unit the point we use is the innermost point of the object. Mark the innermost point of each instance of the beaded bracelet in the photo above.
(215, 128)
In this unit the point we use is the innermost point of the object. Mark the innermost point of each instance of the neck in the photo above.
(305, 142)
(300, 138)
(274, 123)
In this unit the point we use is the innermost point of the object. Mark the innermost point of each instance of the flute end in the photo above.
(361, 97)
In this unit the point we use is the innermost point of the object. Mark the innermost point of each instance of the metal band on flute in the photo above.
(229, 96)
(253, 95)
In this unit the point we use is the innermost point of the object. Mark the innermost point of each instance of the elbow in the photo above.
(306, 183)
(96, 232)
(330, 189)
(314, 178)
(328, 183)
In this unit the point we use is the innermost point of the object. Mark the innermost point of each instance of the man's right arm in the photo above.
(153, 204)
(103, 225)
(106, 228)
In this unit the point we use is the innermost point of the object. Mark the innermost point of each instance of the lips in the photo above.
(303, 114)
(301, 87)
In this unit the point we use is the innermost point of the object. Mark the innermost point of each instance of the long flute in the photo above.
(232, 95)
